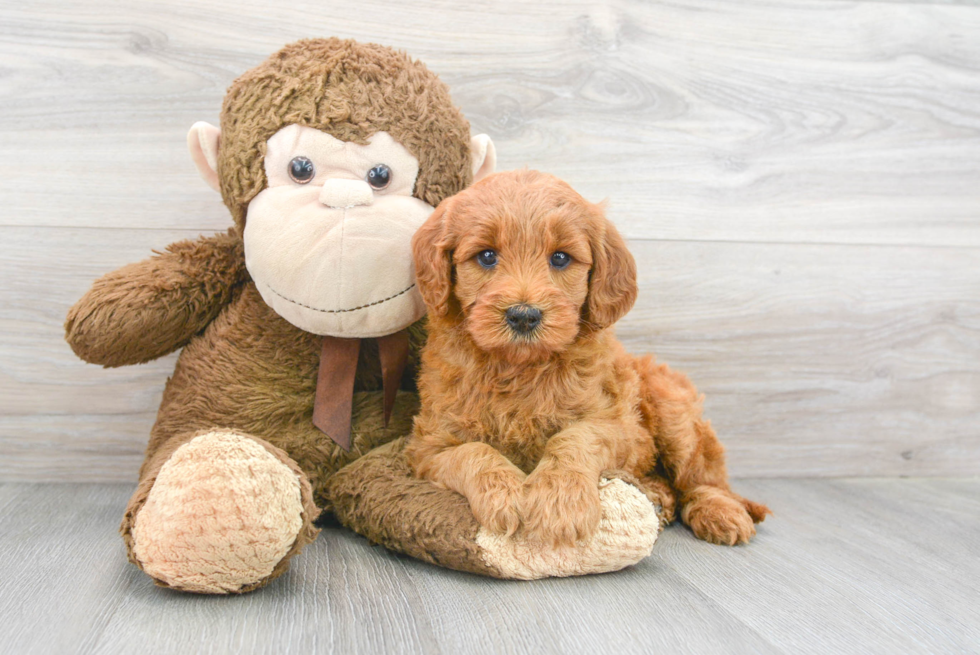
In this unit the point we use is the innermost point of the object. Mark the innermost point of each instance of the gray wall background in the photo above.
(799, 182)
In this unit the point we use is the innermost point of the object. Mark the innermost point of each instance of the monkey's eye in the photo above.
(379, 177)
(487, 259)
(301, 170)
(560, 260)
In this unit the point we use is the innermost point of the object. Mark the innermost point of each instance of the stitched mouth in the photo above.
(344, 311)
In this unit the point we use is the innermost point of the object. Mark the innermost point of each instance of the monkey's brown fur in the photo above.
(244, 367)
(524, 426)
(350, 90)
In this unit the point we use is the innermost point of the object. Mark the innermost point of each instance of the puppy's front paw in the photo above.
(717, 517)
(559, 507)
(496, 507)
(626, 534)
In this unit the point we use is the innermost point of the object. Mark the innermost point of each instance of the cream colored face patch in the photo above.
(328, 242)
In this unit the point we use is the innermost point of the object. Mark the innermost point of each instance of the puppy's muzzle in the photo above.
(523, 319)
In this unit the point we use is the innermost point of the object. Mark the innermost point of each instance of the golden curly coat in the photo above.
(527, 396)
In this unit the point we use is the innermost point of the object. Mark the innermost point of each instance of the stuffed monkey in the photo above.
(299, 326)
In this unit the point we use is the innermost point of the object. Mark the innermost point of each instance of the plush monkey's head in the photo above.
(330, 155)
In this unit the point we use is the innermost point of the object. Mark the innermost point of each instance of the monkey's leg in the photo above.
(694, 458)
(218, 512)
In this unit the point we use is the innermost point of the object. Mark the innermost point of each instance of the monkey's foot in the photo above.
(221, 517)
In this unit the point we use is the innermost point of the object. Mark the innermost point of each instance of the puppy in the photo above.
(527, 397)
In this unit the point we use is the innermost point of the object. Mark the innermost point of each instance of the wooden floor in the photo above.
(845, 566)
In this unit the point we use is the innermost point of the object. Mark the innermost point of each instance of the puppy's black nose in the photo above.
(523, 319)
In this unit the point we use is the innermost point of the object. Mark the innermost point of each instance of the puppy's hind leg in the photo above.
(694, 458)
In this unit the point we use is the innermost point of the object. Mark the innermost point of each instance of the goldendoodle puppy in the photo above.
(527, 396)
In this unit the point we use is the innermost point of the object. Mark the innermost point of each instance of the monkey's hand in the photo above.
(145, 310)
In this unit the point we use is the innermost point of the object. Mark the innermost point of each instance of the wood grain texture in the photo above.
(844, 566)
(800, 182)
(810, 121)
(819, 360)
(816, 360)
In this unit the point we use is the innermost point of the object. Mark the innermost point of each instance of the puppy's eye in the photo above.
(301, 170)
(560, 260)
(379, 177)
(487, 259)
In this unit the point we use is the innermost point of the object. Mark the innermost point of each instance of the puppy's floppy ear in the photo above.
(612, 281)
(432, 250)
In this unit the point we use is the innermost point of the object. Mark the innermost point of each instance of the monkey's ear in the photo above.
(203, 141)
(612, 281)
(484, 156)
(432, 251)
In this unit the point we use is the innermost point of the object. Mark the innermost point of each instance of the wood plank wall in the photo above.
(799, 181)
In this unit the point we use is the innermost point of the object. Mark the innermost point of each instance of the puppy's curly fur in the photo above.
(523, 415)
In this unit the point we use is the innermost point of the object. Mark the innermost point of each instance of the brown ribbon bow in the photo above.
(334, 398)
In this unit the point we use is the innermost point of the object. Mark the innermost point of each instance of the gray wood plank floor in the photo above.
(845, 566)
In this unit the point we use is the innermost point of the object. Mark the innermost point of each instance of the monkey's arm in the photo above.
(145, 310)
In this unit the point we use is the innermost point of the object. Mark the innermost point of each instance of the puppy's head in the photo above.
(524, 265)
